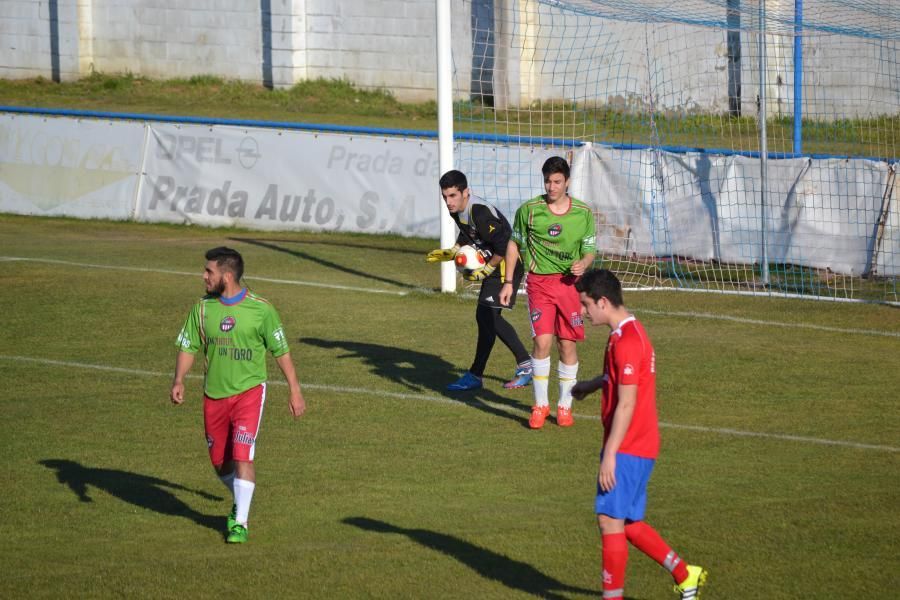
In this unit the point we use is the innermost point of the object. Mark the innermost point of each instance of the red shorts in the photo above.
(554, 306)
(232, 424)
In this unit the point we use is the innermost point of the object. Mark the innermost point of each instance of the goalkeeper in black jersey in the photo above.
(483, 226)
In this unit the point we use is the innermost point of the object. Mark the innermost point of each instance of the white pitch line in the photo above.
(697, 315)
(453, 402)
(198, 275)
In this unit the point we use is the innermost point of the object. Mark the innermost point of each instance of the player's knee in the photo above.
(223, 467)
(568, 352)
(542, 345)
(484, 315)
(610, 524)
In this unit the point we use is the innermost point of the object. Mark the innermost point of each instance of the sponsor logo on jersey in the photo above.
(577, 321)
(535, 315)
(279, 336)
(184, 340)
(554, 230)
(491, 228)
(628, 369)
(227, 324)
(489, 299)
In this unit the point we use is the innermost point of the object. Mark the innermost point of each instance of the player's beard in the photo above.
(216, 289)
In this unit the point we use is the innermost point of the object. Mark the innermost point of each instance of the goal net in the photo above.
(725, 145)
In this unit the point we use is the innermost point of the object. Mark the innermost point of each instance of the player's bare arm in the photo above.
(183, 363)
(297, 403)
(621, 423)
(512, 256)
(583, 389)
(582, 265)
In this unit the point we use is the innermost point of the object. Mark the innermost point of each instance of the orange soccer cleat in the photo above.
(564, 417)
(539, 414)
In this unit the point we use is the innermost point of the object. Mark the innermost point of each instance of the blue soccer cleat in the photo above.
(465, 383)
(520, 379)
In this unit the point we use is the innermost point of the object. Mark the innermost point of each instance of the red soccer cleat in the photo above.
(539, 414)
(564, 417)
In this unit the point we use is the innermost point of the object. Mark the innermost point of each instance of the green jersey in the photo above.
(550, 243)
(234, 338)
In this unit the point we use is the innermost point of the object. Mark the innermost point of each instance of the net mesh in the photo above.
(658, 107)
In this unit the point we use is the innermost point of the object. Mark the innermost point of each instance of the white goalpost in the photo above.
(445, 131)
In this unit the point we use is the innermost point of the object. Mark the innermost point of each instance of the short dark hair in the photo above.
(228, 259)
(600, 283)
(455, 179)
(555, 164)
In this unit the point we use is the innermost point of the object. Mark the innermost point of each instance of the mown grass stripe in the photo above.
(694, 315)
(462, 402)
(197, 274)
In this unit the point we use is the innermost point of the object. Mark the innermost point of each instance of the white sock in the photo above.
(541, 380)
(568, 375)
(243, 495)
(228, 481)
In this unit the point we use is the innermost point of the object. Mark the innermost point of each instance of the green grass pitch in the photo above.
(779, 469)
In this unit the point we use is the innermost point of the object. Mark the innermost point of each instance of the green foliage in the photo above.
(338, 101)
(389, 488)
(206, 80)
(312, 101)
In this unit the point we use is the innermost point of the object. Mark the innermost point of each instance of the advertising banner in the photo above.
(504, 175)
(72, 167)
(288, 180)
(819, 213)
(841, 215)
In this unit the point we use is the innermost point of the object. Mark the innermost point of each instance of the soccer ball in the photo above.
(468, 259)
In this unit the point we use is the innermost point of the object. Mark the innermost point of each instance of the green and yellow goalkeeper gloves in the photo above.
(442, 254)
(480, 274)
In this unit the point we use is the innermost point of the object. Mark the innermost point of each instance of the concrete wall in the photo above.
(373, 43)
(550, 54)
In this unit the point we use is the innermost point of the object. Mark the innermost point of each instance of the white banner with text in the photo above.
(833, 214)
(69, 167)
(287, 180)
(837, 214)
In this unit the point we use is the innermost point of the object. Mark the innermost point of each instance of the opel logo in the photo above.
(248, 152)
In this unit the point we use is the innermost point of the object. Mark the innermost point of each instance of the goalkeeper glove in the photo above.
(480, 274)
(442, 254)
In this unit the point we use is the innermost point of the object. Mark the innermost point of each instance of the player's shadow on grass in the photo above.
(140, 490)
(514, 574)
(340, 244)
(325, 263)
(419, 371)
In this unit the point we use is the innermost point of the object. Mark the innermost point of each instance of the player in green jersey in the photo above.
(233, 328)
(554, 235)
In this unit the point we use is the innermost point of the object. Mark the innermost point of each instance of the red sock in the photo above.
(645, 539)
(615, 557)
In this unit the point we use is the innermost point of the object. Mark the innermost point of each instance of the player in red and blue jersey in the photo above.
(233, 328)
(630, 439)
